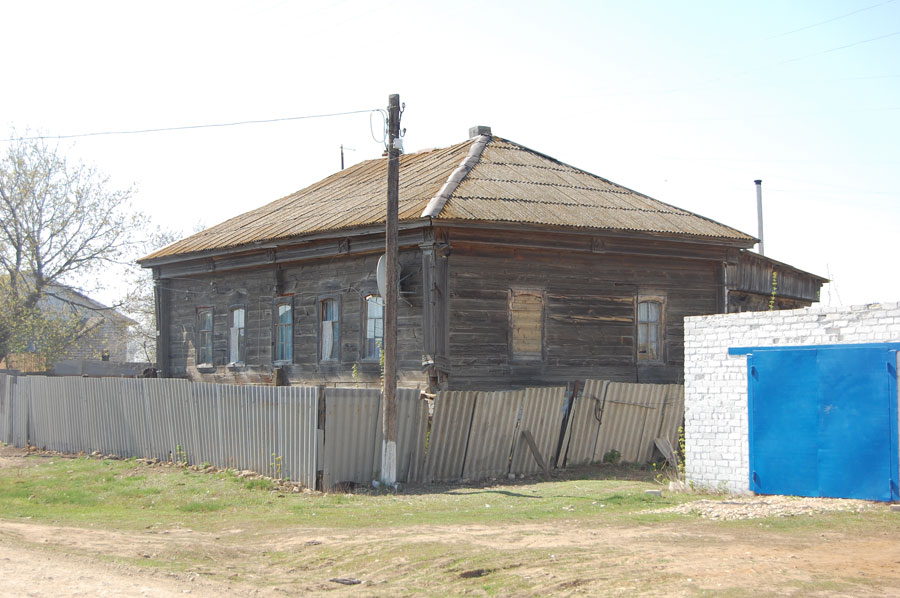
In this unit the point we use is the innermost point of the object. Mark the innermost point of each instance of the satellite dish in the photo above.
(381, 276)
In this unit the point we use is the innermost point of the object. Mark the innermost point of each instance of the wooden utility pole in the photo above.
(391, 253)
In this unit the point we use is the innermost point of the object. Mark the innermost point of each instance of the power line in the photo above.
(843, 16)
(189, 127)
(835, 49)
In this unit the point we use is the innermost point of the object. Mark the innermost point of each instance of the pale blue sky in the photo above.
(687, 102)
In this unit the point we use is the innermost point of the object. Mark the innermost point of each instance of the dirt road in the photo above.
(47, 561)
(856, 554)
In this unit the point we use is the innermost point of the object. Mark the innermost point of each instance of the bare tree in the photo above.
(140, 303)
(60, 223)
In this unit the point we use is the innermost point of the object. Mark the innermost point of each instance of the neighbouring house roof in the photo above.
(63, 297)
(487, 179)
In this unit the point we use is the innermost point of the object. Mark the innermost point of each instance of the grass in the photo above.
(584, 534)
(123, 494)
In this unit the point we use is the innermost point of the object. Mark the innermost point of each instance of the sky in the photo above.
(687, 102)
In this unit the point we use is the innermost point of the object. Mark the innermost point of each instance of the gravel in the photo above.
(758, 507)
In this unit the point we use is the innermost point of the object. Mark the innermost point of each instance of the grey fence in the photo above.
(265, 429)
(300, 433)
(622, 419)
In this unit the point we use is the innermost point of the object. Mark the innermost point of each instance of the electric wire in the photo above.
(192, 127)
(831, 20)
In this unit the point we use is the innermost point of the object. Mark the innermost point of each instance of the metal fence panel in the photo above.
(132, 394)
(492, 434)
(351, 427)
(6, 409)
(419, 436)
(635, 415)
(42, 421)
(298, 418)
(583, 424)
(542, 413)
(230, 424)
(410, 434)
(446, 452)
(21, 409)
(673, 414)
(205, 414)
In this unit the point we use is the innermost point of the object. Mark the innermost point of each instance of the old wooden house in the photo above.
(516, 269)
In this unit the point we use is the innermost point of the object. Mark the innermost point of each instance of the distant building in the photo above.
(516, 270)
(104, 333)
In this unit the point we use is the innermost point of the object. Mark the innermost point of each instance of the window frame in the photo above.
(242, 345)
(209, 345)
(364, 329)
(277, 326)
(336, 334)
(644, 357)
(526, 356)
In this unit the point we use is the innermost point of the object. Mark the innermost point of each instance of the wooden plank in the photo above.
(526, 434)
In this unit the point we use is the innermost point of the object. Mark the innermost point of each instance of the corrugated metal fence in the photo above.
(298, 433)
(623, 417)
(265, 429)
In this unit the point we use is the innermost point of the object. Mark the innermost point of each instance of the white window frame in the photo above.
(278, 327)
(237, 336)
(329, 330)
(366, 356)
(646, 326)
(205, 338)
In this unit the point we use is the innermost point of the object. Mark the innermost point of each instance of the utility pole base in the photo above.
(389, 463)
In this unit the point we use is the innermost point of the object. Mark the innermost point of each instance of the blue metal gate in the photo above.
(823, 421)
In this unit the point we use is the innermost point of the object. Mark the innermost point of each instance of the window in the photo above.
(236, 335)
(649, 329)
(374, 326)
(284, 331)
(526, 318)
(205, 336)
(329, 330)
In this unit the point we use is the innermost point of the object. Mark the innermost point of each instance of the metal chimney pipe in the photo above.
(759, 217)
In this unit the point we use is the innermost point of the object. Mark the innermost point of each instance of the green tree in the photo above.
(61, 222)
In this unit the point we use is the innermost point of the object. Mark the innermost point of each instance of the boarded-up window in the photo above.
(526, 316)
(204, 336)
(649, 329)
(330, 331)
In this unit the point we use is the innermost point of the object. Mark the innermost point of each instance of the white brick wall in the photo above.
(715, 384)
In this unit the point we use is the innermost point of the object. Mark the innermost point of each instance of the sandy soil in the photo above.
(560, 558)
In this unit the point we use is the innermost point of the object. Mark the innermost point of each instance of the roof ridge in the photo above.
(437, 203)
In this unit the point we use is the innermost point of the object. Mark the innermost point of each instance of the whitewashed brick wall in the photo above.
(715, 384)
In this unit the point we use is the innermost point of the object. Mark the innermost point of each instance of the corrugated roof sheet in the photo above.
(509, 183)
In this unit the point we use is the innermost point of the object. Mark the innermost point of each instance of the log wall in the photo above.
(348, 279)
(588, 318)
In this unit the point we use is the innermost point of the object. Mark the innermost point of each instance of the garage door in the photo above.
(823, 421)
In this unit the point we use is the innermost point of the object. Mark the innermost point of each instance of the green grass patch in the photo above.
(125, 495)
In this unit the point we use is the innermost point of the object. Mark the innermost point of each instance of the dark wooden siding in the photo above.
(589, 316)
(347, 278)
(752, 274)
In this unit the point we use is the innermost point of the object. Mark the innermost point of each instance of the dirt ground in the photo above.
(696, 557)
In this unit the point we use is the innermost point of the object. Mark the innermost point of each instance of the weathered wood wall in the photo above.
(346, 278)
(457, 284)
(589, 314)
(752, 286)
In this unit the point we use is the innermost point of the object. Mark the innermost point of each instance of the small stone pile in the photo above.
(759, 507)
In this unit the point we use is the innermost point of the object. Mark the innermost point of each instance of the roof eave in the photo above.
(740, 243)
(148, 262)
